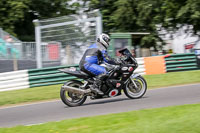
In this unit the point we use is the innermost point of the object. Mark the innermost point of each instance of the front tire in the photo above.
(72, 99)
(132, 92)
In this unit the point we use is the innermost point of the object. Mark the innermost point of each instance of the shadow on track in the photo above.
(107, 100)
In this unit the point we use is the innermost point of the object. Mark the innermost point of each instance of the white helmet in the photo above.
(104, 39)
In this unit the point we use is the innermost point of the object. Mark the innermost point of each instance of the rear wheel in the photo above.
(72, 99)
(134, 92)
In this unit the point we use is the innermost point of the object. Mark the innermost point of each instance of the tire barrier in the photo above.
(43, 77)
(48, 76)
(155, 65)
(14, 80)
(180, 62)
(51, 75)
(141, 68)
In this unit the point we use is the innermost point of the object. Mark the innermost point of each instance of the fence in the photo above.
(6, 49)
(23, 55)
(73, 32)
(4, 34)
(61, 41)
(181, 62)
(27, 51)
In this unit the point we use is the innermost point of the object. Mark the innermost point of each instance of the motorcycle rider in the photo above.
(93, 56)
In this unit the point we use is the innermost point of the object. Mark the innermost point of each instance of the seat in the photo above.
(75, 72)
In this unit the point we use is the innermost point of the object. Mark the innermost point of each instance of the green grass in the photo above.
(177, 119)
(30, 95)
(173, 78)
(52, 92)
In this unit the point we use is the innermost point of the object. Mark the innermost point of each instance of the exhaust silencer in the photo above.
(75, 90)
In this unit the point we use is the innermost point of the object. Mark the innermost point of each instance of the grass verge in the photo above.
(52, 92)
(177, 119)
(172, 79)
(30, 95)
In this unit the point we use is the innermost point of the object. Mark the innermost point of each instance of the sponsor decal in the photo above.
(130, 69)
(118, 85)
(113, 93)
(124, 68)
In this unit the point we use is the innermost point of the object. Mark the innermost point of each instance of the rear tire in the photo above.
(132, 92)
(72, 99)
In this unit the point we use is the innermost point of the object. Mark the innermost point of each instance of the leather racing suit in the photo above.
(93, 56)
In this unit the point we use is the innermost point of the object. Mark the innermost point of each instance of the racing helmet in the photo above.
(104, 39)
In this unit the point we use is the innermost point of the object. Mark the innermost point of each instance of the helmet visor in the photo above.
(106, 39)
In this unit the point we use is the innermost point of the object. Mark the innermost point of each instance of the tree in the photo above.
(11, 12)
(40, 9)
(106, 7)
(17, 16)
(132, 16)
(182, 12)
(143, 15)
(118, 15)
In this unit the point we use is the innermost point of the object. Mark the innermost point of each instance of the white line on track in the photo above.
(29, 104)
(34, 124)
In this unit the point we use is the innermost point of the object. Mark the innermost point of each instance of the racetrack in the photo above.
(56, 110)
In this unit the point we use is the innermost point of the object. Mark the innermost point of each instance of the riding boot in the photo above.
(98, 83)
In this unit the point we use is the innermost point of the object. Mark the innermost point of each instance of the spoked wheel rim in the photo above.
(73, 97)
(136, 92)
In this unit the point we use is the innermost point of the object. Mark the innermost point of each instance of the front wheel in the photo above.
(136, 87)
(72, 99)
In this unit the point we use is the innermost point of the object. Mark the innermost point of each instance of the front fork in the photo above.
(132, 77)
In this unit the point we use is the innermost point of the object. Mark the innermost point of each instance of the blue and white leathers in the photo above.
(93, 56)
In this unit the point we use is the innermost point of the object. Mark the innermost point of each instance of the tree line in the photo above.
(118, 15)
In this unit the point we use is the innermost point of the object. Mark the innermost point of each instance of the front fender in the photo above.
(135, 75)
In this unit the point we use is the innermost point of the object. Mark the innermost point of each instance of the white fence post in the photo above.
(38, 43)
(99, 27)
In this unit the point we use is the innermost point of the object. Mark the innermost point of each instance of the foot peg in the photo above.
(95, 90)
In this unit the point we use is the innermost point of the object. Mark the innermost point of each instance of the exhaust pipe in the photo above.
(75, 90)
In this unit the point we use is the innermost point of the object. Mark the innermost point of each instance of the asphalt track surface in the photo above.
(56, 110)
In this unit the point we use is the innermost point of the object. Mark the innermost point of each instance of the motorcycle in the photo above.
(120, 77)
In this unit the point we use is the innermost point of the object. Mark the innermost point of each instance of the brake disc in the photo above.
(133, 88)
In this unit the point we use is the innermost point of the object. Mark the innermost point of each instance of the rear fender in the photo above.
(72, 81)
